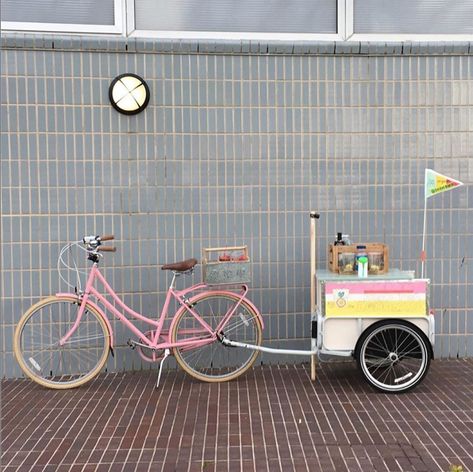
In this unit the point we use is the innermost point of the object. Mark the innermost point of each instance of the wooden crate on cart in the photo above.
(341, 259)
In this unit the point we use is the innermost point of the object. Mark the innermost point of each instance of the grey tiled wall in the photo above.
(233, 149)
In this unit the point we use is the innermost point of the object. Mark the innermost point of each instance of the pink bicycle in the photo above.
(64, 340)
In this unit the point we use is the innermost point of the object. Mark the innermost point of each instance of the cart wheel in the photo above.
(393, 355)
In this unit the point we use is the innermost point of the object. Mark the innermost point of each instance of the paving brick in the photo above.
(273, 418)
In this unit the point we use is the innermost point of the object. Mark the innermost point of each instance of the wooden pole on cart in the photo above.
(313, 267)
(423, 255)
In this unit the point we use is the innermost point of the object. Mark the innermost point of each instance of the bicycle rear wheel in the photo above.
(44, 360)
(214, 361)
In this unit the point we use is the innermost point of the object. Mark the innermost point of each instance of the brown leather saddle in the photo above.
(182, 266)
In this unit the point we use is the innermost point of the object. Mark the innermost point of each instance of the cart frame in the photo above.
(417, 327)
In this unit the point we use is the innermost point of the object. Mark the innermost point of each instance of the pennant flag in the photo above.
(437, 183)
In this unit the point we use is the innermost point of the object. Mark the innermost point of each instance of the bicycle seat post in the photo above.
(173, 281)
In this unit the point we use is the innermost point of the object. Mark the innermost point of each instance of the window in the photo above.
(94, 16)
(289, 20)
(236, 18)
(408, 17)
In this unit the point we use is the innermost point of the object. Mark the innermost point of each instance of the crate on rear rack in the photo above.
(226, 265)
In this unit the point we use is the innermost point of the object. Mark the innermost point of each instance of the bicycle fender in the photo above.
(97, 308)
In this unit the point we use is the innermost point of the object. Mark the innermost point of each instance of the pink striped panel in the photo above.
(417, 286)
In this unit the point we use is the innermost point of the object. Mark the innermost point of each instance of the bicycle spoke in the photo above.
(391, 375)
(410, 366)
(385, 342)
(411, 354)
(213, 316)
(45, 348)
(235, 326)
(381, 364)
(379, 346)
(78, 340)
(409, 340)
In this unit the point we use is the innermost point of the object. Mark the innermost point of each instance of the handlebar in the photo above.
(107, 249)
(94, 243)
(107, 237)
(96, 240)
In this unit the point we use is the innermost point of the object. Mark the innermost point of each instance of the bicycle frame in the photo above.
(157, 326)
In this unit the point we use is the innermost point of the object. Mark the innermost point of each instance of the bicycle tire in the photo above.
(43, 360)
(216, 362)
(393, 356)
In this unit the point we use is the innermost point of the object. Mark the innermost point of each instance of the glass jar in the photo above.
(375, 262)
(346, 262)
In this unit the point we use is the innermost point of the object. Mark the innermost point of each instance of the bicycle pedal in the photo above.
(132, 344)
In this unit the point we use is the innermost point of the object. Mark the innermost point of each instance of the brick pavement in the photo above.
(273, 418)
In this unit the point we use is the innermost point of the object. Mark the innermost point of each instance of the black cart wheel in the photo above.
(393, 355)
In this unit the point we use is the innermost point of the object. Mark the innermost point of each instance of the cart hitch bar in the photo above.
(292, 352)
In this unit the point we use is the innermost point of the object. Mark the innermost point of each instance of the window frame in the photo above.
(124, 25)
(116, 28)
(352, 36)
(226, 35)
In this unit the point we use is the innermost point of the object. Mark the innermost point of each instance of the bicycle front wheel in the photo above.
(214, 361)
(44, 360)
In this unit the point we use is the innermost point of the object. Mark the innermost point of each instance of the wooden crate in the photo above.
(340, 258)
(226, 265)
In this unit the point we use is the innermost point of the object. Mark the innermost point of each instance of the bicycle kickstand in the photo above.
(166, 354)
